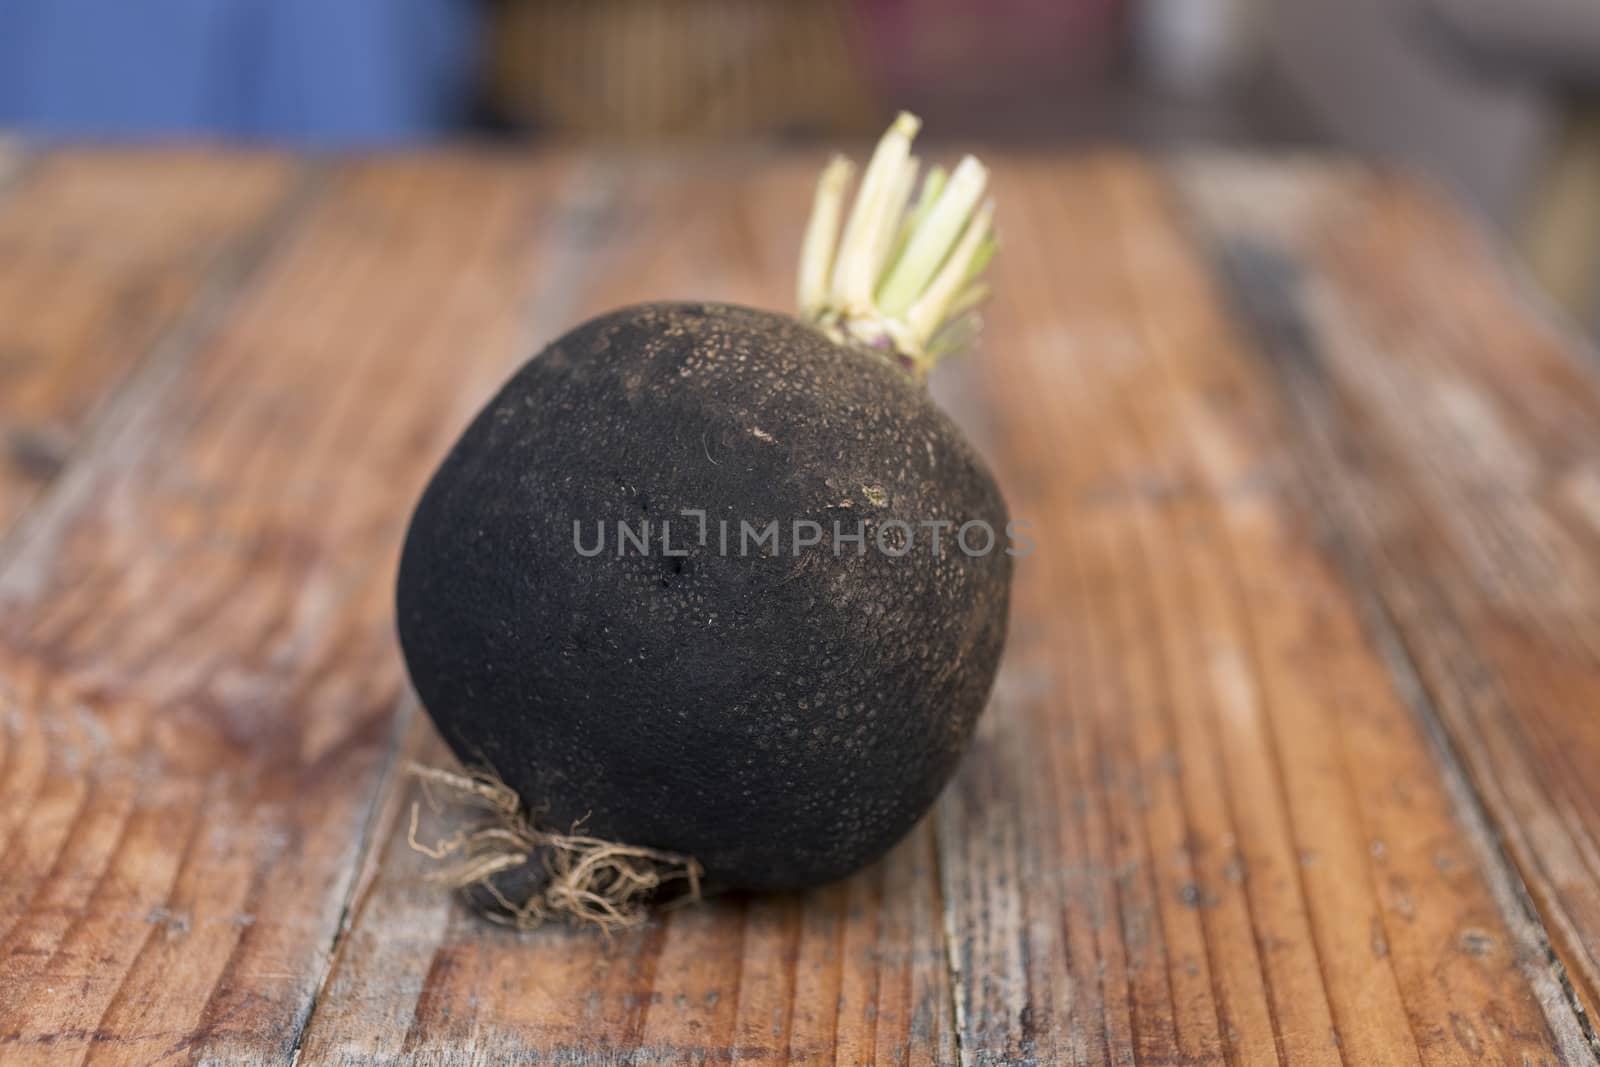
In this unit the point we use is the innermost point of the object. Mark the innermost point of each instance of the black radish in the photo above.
(715, 595)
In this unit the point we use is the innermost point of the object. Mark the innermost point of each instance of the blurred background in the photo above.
(1493, 98)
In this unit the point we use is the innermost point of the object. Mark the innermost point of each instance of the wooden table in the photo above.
(1295, 755)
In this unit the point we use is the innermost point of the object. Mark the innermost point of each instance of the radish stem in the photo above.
(902, 271)
(816, 254)
(854, 273)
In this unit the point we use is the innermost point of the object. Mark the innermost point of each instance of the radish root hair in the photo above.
(573, 877)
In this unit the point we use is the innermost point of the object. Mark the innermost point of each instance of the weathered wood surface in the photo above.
(1255, 853)
(100, 253)
(1458, 439)
(195, 626)
(1302, 641)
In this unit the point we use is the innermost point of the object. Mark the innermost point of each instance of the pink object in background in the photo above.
(938, 50)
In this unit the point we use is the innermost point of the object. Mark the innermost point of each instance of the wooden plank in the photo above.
(1200, 825)
(195, 625)
(850, 974)
(1457, 433)
(102, 255)
(1204, 822)
(855, 973)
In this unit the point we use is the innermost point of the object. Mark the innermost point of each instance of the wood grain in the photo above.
(102, 255)
(1217, 811)
(1200, 825)
(1456, 437)
(195, 629)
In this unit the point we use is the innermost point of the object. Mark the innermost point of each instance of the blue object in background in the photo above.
(301, 71)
